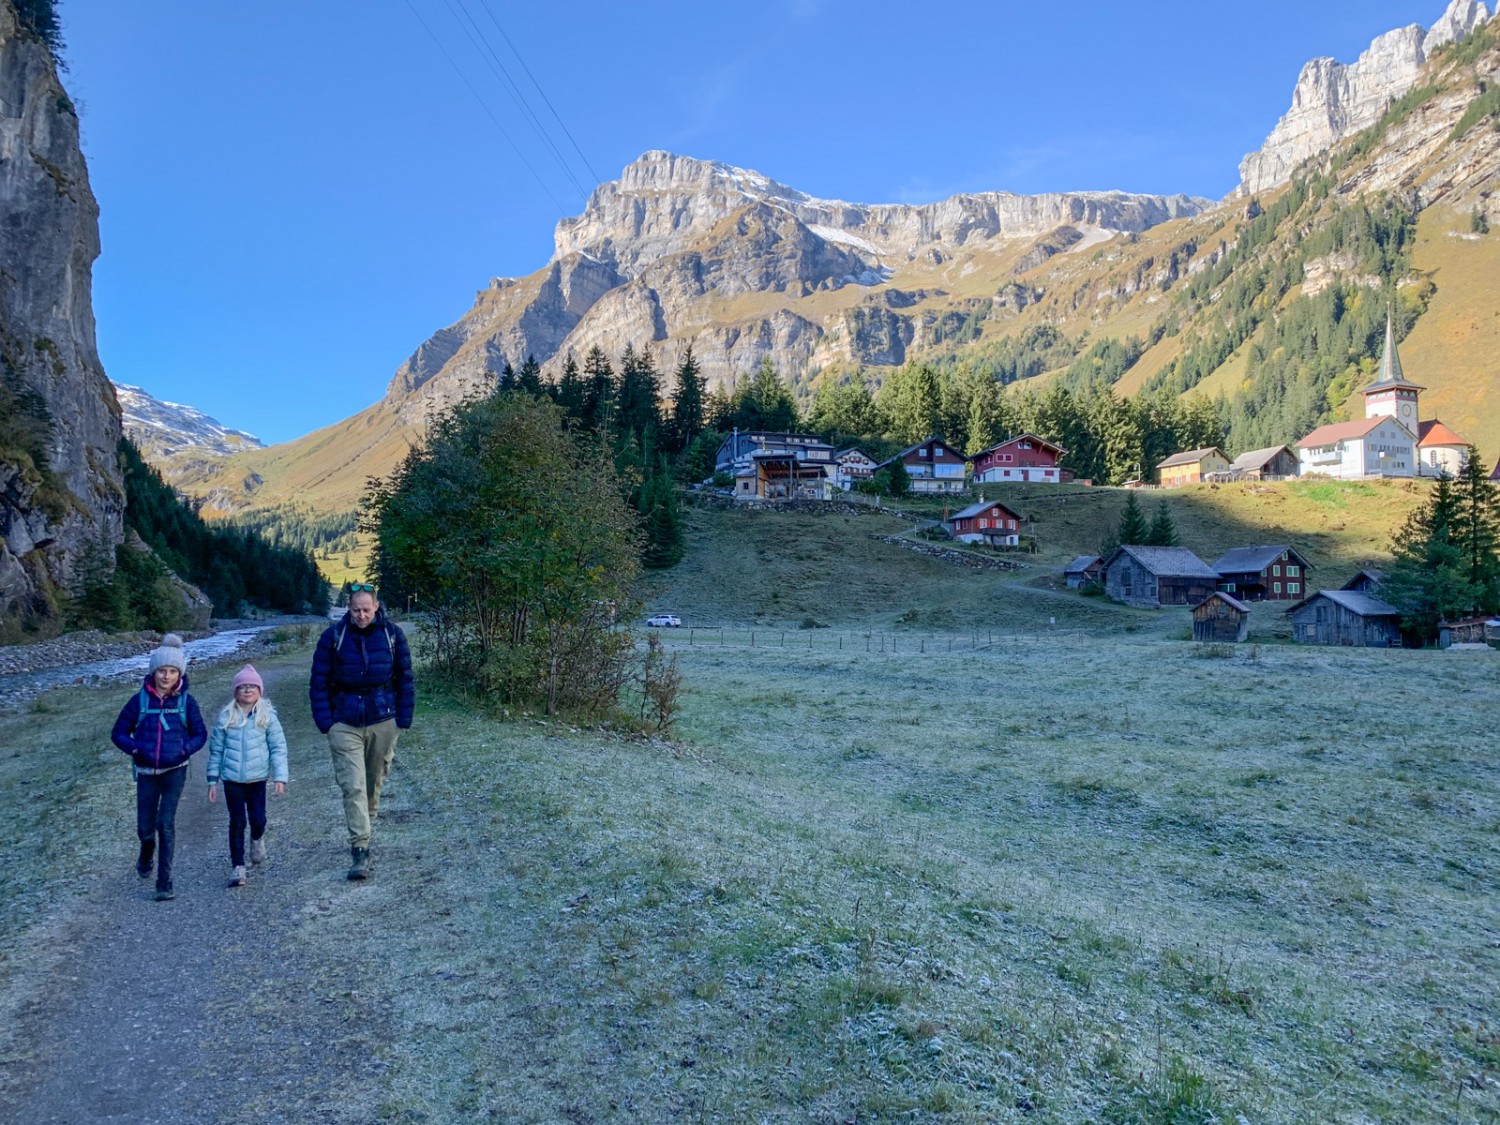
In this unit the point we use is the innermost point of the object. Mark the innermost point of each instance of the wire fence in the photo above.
(830, 640)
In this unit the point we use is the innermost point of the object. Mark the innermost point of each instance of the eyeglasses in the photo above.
(361, 588)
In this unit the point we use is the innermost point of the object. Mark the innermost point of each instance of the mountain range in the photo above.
(682, 251)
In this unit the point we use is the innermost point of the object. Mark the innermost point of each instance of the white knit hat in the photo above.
(170, 654)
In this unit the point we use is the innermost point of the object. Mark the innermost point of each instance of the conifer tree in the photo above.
(529, 378)
(1477, 532)
(900, 479)
(765, 402)
(1162, 532)
(570, 389)
(986, 422)
(911, 400)
(1428, 581)
(507, 378)
(687, 402)
(1133, 530)
(598, 390)
(637, 409)
(661, 518)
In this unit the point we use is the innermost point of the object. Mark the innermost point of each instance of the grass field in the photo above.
(747, 568)
(1108, 878)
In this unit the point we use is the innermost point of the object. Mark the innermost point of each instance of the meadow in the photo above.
(1088, 876)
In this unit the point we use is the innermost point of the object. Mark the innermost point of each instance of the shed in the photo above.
(1083, 570)
(1346, 617)
(1470, 631)
(1221, 617)
(1157, 576)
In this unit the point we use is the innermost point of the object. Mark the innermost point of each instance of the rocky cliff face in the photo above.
(61, 410)
(680, 251)
(1335, 100)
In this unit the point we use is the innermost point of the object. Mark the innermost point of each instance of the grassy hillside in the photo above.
(774, 570)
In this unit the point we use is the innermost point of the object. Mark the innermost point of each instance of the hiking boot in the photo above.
(237, 877)
(360, 867)
(258, 850)
(145, 860)
(164, 892)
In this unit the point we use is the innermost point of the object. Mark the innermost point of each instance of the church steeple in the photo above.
(1392, 394)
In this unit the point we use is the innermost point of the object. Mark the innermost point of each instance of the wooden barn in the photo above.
(1157, 576)
(1346, 617)
(1083, 570)
(1221, 617)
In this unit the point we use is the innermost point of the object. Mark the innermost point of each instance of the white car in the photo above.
(664, 621)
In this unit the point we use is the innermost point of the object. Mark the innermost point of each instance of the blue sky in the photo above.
(294, 194)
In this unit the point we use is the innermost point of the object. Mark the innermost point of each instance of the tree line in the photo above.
(232, 566)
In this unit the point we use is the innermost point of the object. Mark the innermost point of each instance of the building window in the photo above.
(1294, 587)
(1276, 587)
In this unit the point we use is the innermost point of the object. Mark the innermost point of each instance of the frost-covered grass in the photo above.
(1081, 880)
(1061, 880)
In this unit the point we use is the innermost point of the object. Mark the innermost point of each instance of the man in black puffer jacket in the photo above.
(362, 697)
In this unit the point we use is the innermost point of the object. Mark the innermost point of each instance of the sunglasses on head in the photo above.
(361, 588)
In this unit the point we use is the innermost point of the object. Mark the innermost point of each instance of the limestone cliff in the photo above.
(60, 484)
(1334, 100)
(679, 250)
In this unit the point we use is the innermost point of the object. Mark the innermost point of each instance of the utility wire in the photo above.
(485, 105)
(498, 68)
(598, 179)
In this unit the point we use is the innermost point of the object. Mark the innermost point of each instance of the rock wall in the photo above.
(49, 238)
(680, 251)
(1333, 100)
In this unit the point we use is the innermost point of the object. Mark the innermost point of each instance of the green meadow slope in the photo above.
(787, 570)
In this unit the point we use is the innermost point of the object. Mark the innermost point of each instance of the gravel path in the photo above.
(211, 1007)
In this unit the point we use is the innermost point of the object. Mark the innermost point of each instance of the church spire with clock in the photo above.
(1392, 394)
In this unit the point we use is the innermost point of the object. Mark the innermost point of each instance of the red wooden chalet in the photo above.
(1025, 457)
(988, 521)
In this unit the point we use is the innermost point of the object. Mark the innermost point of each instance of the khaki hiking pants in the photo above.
(362, 757)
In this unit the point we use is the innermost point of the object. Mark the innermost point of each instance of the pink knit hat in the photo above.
(248, 675)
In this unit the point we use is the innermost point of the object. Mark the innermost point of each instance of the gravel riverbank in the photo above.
(91, 656)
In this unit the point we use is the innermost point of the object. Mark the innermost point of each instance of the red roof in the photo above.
(1433, 432)
(1341, 431)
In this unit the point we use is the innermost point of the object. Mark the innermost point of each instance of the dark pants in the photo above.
(156, 797)
(246, 800)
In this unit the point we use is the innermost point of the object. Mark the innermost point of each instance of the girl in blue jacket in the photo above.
(246, 749)
(160, 728)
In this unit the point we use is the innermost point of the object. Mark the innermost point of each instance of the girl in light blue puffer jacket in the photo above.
(246, 749)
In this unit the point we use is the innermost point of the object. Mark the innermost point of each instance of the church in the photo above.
(1389, 441)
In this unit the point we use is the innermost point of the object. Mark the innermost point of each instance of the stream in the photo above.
(18, 687)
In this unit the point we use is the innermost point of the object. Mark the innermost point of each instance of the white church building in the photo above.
(1388, 441)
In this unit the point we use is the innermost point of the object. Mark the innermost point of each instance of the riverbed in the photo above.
(93, 657)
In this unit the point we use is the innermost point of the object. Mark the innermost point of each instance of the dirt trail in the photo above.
(209, 1008)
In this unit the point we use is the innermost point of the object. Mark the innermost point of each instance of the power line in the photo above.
(598, 179)
(497, 67)
(485, 105)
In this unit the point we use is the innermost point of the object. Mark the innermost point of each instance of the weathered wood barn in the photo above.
(1221, 617)
(1345, 617)
(1157, 576)
(1082, 570)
